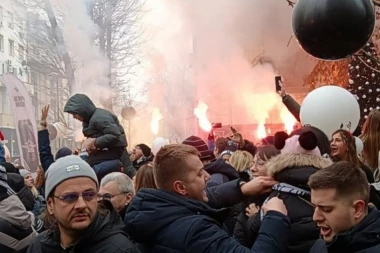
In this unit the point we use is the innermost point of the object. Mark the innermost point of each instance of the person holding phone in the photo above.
(293, 106)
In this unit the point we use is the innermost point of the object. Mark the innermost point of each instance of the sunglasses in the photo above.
(73, 197)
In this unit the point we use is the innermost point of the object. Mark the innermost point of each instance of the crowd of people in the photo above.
(302, 192)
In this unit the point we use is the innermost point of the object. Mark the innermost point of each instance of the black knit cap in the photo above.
(145, 149)
(200, 145)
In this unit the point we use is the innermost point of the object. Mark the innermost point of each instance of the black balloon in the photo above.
(333, 29)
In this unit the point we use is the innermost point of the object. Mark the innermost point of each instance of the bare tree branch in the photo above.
(291, 3)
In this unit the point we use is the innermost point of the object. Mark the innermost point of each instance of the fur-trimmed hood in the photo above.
(286, 161)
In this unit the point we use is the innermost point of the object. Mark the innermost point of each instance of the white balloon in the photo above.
(330, 108)
(359, 145)
(158, 143)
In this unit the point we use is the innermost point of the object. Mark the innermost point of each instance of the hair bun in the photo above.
(308, 140)
(279, 139)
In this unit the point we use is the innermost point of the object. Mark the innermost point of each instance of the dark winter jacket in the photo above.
(100, 124)
(220, 172)
(243, 222)
(249, 147)
(105, 234)
(46, 157)
(142, 161)
(10, 168)
(363, 238)
(292, 171)
(128, 165)
(2, 153)
(164, 222)
(17, 183)
(16, 232)
(293, 106)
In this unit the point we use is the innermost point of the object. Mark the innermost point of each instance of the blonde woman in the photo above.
(242, 161)
(371, 142)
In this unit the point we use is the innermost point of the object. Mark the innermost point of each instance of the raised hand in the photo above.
(258, 186)
(44, 113)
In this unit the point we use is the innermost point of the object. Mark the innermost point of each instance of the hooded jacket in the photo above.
(363, 238)
(292, 171)
(17, 183)
(100, 124)
(16, 232)
(164, 222)
(220, 172)
(105, 234)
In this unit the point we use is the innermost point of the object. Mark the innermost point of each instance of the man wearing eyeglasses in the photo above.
(78, 224)
(118, 189)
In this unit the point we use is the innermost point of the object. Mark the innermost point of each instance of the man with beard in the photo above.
(71, 194)
(340, 194)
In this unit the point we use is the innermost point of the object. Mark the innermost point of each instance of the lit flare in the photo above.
(155, 121)
(201, 112)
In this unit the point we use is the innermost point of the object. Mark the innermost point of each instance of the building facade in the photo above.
(13, 50)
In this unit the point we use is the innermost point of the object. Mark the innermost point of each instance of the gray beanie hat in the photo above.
(65, 168)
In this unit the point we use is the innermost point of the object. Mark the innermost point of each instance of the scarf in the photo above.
(287, 188)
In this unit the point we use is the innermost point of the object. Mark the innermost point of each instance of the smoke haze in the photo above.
(233, 49)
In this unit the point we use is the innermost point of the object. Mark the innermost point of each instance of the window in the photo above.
(1, 43)
(10, 20)
(21, 52)
(11, 47)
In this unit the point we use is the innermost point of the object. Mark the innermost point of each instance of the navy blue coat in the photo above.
(164, 222)
(363, 238)
(46, 157)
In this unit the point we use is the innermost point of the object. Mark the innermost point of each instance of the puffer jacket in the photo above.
(16, 232)
(243, 222)
(105, 234)
(164, 222)
(100, 124)
(363, 238)
(292, 171)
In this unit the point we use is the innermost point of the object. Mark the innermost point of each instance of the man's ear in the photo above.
(128, 198)
(360, 209)
(180, 188)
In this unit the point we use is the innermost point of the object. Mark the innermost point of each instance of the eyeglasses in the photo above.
(73, 197)
(108, 196)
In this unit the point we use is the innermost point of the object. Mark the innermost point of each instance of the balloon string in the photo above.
(290, 39)
(291, 3)
(367, 64)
